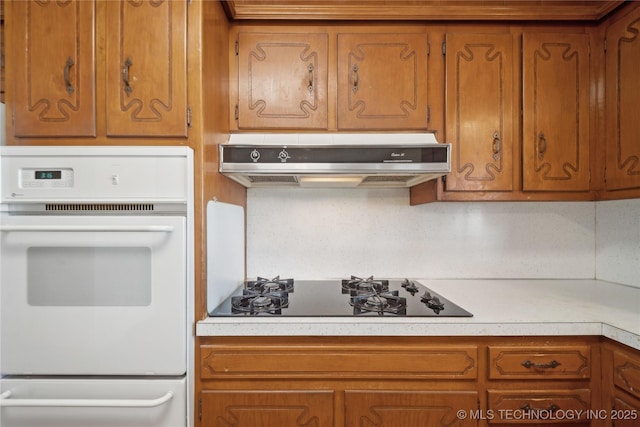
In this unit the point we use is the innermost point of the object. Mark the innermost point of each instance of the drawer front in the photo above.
(626, 373)
(308, 361)
(552, 362)
(538, 406)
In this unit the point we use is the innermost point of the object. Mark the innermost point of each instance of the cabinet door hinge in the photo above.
(428, 48)
(200, 410)
(237, 47)
(189, 115)
(236, 112)
(444, 48)
(428, 114)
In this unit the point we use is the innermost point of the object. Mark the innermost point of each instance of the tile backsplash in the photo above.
(618, 241)
(330, 233)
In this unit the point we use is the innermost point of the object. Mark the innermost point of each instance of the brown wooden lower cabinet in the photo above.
(625, 412)
(284, 408)
(555, 406)
(267, 408)
(621, 382)
(409, 408)
(417, 382)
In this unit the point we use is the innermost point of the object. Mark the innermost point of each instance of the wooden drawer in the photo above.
(552, 362)
(338, 360)
(626, 373)
(538, 406)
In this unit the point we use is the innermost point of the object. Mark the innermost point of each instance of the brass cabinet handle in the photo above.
(354, 88)
(528, 408)
(496, 146)
(67, 79)
(542, 145)
(125, 76)
(551, 365)
(310, 87)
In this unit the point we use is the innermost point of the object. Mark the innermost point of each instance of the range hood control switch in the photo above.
(255, 155)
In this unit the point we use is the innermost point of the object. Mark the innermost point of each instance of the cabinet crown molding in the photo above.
(545, 10)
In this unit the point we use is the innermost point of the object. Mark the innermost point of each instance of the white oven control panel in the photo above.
(46, 178)
(81, 174)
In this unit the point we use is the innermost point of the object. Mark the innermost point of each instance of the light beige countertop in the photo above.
(500, 307)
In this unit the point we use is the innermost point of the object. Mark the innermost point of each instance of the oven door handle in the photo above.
(108, 228)
(85, 403)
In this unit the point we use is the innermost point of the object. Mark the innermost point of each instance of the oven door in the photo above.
(95, 403)
(93, 295)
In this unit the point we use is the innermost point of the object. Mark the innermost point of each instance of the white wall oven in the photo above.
(96, 287)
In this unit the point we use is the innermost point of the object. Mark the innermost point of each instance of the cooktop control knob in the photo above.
(255, 155)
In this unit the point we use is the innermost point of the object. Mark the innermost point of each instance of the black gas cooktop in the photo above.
(332, 298)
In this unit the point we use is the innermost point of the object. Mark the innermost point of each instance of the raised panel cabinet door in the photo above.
(53, 68)
(555, 135)
(621, 113)
(146, 61)
(267, 408)
(479, 125)
(382, 81)
(410, 408)
(625, 412)
(626, 372)
(282, 80)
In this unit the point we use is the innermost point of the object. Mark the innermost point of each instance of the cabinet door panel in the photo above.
(626, 374)
(282, 80)
(479, 76)
(54, 68)
(382, 81)
(250, 408)
(622, 90)
(625, 412)
(146, 68)
(409, 408)
(555, 112)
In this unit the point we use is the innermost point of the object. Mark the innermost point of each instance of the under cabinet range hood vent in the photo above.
(334, 159)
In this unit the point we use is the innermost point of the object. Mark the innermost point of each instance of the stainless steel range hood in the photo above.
(334, 159)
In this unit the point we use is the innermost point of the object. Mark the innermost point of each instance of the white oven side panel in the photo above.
(95, 403)
(103, 295)
(225, 251)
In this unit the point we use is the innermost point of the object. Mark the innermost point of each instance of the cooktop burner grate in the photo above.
(268, 296)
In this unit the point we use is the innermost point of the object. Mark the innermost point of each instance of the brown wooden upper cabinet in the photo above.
(282, 80)
(146, 68)
(55, 68)
(621, 111)
(479, 108)
(483, 122)
(555, 133)
(382, 81)
(379, 81)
